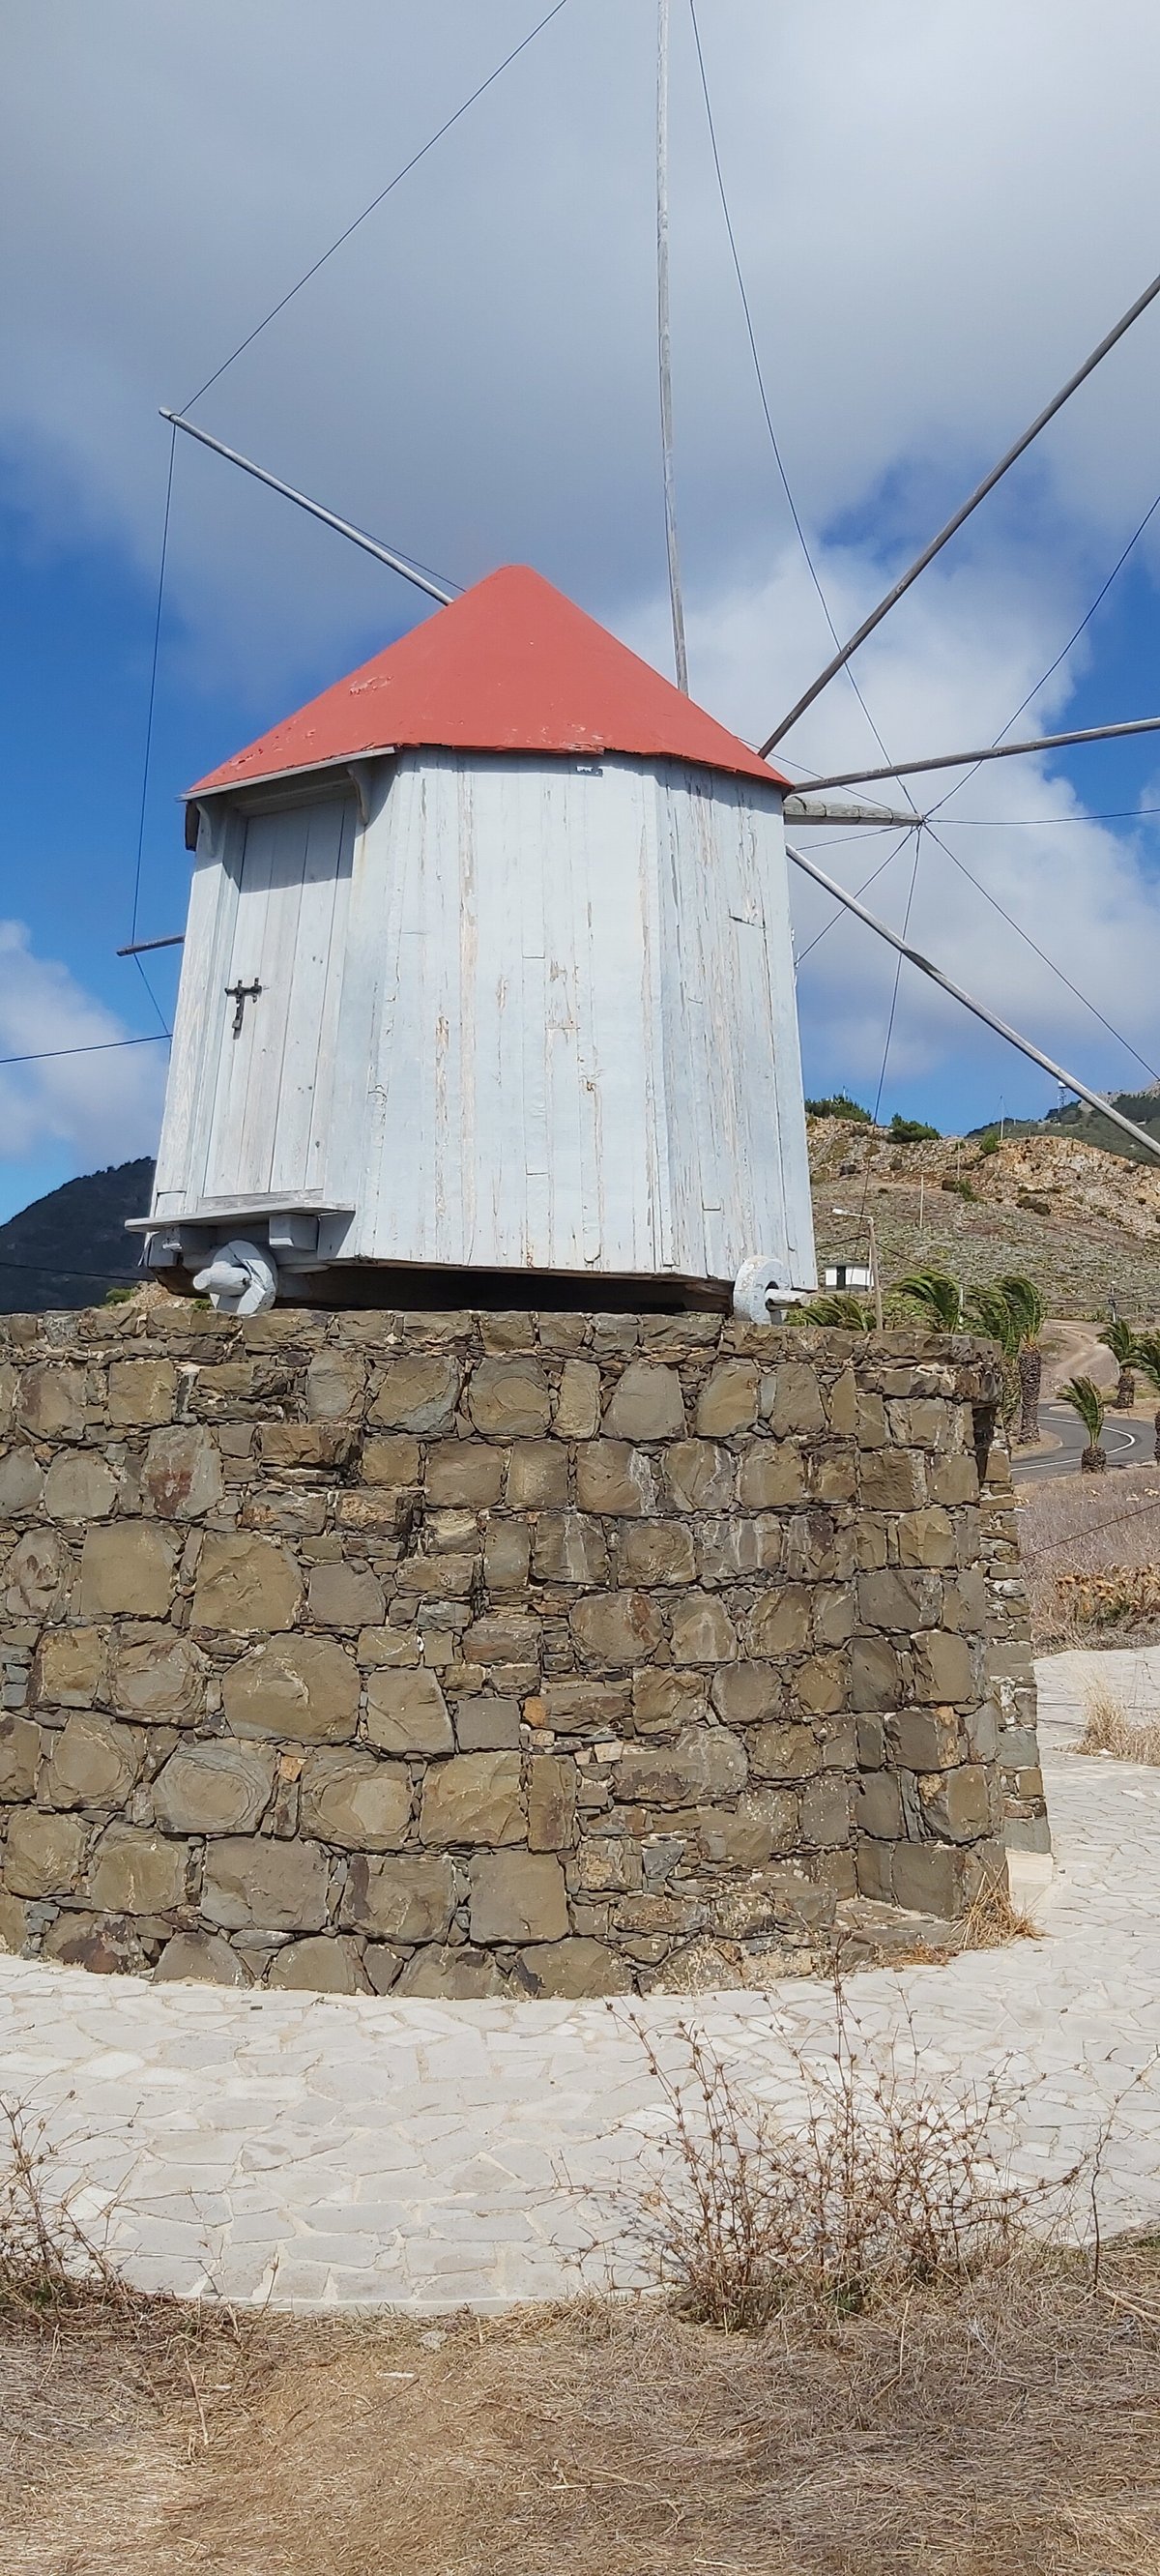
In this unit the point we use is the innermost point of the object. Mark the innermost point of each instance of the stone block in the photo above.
(779, 1623)
(156, 1672)
(728, 1399)
(463, 1473)
(13, 1924)
(323, 1964)
(702, 1631)
(825, 1812)
(214, 1788)
(699, 1476)
(245, 1584)
(303, 1688)
(487, 1725)
(821, 1684)
(784, 1750)
(391, 1462)
(577, 1415)
(925, 1878)
(409, 1899)
(142, 1393)
(842, 1405)
(736, 1547)
(51, 1402)
(572, 1706)
(444, 1975)
(655, 1552)
(878, 1806)
(926, 1538)
(537, 1476)
(94, 1762)
(517, 1896)
(705, 1762)
(892, 1480)
(647, 1404)
(957, 1804)
(505, 1556)
(747, 1694)
(617, 1628)
(875, 1673)
(923, 1740)
(335, 1381)
(136, 1872)
(474, 1798)
(346, 1596)
(44, 1853)
(943, 1667)
(772, 1474)
(510, 1398)
(181, 1478)
(127, 1571)
(437, 1577)
(21, 1483)
(418, 1392)
(19, 1758)
(574, 1970)
(901, 1602)
(665, 1697)
(79, 1486)
(763, 1826)
(612, 1477)
(551, 1802)
(310, 1448)
(251, 1883)
(504, 1637)
(355, 1800)
(37, 1572)
(203, 1956)
(569, 1547)
(791, 1399)
(953, 1480)
(407, 1713)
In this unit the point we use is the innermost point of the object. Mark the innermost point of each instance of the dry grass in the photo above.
(1108, 1728)
(1006, 2429)
(994, 1919)
(1089, 1547)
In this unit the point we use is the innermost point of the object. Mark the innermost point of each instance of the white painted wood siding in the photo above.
(581, 1029)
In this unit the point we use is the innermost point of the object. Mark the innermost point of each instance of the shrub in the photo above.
(911, 1131)
(959, 1189)
(839, 1105)
(989, 1144)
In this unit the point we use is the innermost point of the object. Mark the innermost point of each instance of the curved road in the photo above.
(1128, 1443)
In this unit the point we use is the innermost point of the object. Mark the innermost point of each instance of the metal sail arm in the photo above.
(925, 966)
(842, 656)
(302, 501)
(990, 751)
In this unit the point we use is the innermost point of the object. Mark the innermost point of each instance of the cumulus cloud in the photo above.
(102, 1107)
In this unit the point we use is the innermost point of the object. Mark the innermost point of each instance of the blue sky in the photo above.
(473, 376)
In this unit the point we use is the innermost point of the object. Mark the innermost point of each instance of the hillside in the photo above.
(1084, 1223)
(1078, 1122)
(66, 1249)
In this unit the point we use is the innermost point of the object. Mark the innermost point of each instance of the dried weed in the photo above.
(1109, 1729)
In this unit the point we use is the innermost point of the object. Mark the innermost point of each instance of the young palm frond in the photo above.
(1146, 1355)
(1118, 1338)
(939, 1296)
(1084, 1397)
(838, 1307)
(1028, 1305)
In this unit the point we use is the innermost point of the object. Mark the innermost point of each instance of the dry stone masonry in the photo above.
(456, 1654)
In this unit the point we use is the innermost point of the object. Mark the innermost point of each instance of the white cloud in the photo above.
(103, 1107)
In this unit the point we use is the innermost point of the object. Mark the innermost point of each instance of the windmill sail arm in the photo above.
(926, 966)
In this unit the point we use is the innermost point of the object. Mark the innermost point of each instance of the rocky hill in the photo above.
(68, 1248)
(1083, 1222)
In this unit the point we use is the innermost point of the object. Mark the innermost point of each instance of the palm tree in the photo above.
(1118, 1338)
(991, 1309)
(1146, 1353)
(1085, 1399)
(838, 1307)
(939, 1296)
(1029, 1310)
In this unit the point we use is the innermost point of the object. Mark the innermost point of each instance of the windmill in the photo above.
(487, 981)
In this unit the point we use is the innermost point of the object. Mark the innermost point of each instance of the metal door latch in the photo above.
(239, 994)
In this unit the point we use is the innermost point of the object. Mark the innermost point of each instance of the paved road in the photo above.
(323, 2149)
(1128, 1444)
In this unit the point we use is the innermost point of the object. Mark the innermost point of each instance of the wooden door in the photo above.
(269, 1117)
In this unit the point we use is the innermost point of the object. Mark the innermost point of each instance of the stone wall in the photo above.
(456, 1653)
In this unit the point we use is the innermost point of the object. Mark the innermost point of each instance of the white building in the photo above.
(488, 969)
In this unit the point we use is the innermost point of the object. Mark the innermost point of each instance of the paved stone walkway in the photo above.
(321, 2149)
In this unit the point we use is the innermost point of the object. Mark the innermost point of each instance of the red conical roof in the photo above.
(511, 666)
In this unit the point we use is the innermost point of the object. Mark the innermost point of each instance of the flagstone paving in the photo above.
(319, 2149)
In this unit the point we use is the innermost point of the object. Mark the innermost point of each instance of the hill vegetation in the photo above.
(67, 1249)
